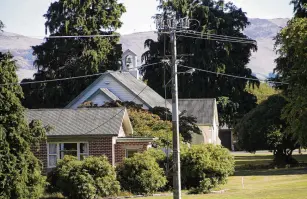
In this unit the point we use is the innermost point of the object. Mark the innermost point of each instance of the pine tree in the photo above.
(300, 8)
(208, 16)
(20, 171)
(69, 57)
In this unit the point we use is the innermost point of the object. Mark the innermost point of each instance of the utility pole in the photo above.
(175, 121)
(172, 24)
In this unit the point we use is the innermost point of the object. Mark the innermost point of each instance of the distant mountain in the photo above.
(262, 61)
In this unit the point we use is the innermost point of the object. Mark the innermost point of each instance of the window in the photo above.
(52, 156)
(130, 152)
(59, 150)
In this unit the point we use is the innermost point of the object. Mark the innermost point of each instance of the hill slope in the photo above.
(262, 61)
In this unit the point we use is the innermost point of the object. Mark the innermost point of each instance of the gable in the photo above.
(108, 82)
(125, 87)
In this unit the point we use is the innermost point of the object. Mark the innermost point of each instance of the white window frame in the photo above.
(58, 151)
(131, 149)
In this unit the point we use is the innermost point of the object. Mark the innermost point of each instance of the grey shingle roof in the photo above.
(80, 121)
(147, 95)
(203, 109)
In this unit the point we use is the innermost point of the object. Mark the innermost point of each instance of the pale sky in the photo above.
(26, 16)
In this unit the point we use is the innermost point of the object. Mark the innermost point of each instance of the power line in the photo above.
(66, 36)
(233, 76)
(218, 39)
(70, 78)
(116, 113)
(217, 36)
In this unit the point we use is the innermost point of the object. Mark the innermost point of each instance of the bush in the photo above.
(204, 167)
(141, 174)
(89, 178)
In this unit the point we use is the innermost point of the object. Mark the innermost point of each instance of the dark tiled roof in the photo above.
(203, 109)
(81, 121)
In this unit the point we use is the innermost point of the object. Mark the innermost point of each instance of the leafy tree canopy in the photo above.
(300, 8)
(1, 26)
(291, 68)
(263, 129)
(262, 92)
(209, 17)
(20, 171)
(156, 119)
(69, 57)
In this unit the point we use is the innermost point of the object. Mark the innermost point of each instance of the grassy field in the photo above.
(258, 184)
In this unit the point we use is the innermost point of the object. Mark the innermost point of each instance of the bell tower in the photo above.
(129, 63)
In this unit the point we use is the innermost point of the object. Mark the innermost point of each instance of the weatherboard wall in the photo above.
(114, 86)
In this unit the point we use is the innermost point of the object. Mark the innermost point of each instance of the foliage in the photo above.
(187, 124)
(263, 92)
(20, 171)
(69, 57)
(205, 166)
(145, 123)
(224, 57)
(1, 26)
(300, 8)
(291, 68)
(89, 178)
(264, 129)
(141, 174)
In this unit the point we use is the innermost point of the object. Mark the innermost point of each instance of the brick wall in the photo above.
(40, 153)
(101, 146)
(97, 146)
(120, 149)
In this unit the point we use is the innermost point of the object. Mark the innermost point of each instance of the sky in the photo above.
(25, 17)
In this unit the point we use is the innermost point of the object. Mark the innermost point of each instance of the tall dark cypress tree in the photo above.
(69, 57)
(20, 171)
(300, 8)
(209, 16)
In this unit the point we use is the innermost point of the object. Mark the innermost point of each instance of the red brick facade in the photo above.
(97, 146)
(41, 153)
(101, 146)
(121, 147)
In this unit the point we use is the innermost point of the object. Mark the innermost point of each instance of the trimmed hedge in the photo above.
(204, 167)
(89, 178)
(141, 174)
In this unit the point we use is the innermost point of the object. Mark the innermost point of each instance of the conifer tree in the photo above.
(78, 56)
(20, 171)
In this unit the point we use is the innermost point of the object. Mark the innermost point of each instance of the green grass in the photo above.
(259, 184)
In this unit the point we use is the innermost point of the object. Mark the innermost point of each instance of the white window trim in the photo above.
(58, 151)
(130, 149)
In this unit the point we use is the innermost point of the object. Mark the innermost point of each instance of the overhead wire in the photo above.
(233, 76)
(69, 78)
(214, 37)
(66, 36)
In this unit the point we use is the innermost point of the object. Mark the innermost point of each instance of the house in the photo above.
(124, 85)
(205, 111)
(86, 131)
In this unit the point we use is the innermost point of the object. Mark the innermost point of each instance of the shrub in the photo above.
(141, 174)
(89, 178)
(204, 167)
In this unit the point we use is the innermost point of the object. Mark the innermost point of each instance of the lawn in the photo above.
(259, 184)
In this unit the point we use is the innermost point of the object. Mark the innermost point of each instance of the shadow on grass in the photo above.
(272, 172)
